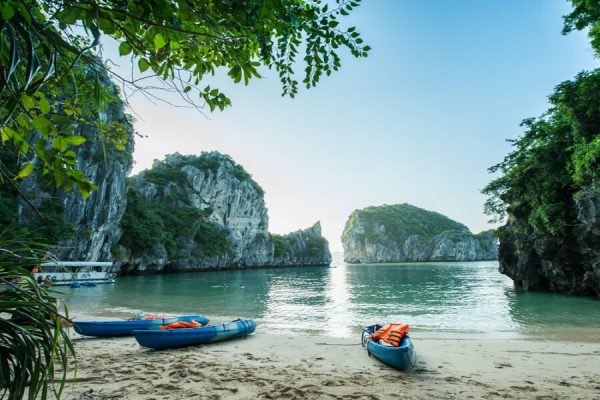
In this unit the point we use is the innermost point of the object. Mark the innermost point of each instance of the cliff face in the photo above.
(303, 247)
(95, 221)
(539, 262)
(401, 233)
(205, 212)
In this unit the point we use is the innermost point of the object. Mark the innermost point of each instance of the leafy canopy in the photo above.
(558, 156)
(585, 14)
(44, 44)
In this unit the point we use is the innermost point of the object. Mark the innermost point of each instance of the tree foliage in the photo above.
(45, 45)
(400, 221)
(35, 350)
(147, 224)
(557, 156)
(559, 153)
(585, 15)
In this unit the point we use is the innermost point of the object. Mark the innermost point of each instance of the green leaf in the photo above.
(106, 25)
(124, 49)
(6, 133)
(75, 140)
(27, 102)
(70, 155)
(25, 171)
(59, 178)
(143, 65)
(44, 105)
(159, 41)
(42, 124)
(69, 15)
(7, 11)
(60, 144)
(85, 187)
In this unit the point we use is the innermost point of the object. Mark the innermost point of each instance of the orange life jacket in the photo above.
(391, 333)
(181, 324)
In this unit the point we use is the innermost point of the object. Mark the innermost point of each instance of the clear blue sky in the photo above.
(419, 121)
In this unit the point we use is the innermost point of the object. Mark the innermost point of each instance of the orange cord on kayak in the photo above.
(149, 317)
(181, 324)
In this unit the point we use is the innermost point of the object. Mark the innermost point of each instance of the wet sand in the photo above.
(267, 366)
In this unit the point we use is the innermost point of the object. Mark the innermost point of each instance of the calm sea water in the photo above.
(434, 298)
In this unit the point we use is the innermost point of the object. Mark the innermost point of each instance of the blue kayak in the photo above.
(399, 357)
(126, 327)
(168, 338)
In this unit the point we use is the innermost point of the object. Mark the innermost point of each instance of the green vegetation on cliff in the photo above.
(146, 224)
(558, 156)
(170, 219)
(401, 221)
(281, 247)
(314, 246)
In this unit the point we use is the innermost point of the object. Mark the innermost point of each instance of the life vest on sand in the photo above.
(182, 324)
(391, 333)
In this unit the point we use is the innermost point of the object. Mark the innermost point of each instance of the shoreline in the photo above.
(221, 268)
(578, 334)
(271, 366)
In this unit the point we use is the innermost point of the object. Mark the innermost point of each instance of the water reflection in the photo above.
(296, 299)
(431, 297)
(338, 311)
(218, 294)
(553, 315)
(449, 296)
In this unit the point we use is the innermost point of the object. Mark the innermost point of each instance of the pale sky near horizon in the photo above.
(419, 121)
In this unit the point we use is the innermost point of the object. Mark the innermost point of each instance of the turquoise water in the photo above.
(447, 298)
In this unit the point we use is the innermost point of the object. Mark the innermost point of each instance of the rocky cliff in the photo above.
(400, 233)
(200, 212)
(93, 223)
(541, 262)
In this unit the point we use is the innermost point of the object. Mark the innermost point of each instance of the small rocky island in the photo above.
(404, 233)
(201, 212)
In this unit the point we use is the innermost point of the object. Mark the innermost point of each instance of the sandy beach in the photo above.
(267, 366)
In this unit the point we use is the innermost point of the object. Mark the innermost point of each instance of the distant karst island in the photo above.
(199, 212)
(404, 233)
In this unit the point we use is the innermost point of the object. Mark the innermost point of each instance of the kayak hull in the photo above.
(400, 357)
(170, 338)
(124, 328)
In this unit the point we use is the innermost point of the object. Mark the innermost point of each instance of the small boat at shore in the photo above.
(170, 338)
(74, 273)
(126, 327)
(400, 357)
